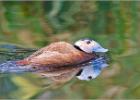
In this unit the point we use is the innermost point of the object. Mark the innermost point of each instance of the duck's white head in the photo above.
(89, 46)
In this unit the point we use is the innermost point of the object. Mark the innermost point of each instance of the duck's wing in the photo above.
(56, 59)
(57, 56)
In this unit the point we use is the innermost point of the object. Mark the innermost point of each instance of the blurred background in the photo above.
(114, 24)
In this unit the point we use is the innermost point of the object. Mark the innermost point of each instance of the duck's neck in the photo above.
(78, 48)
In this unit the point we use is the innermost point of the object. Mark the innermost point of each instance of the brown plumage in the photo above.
(61, 60)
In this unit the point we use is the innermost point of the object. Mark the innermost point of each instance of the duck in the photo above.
(61, 61)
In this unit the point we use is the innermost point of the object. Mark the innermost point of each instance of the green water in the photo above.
(114, 24)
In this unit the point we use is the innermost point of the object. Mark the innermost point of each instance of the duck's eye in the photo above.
(90, 77)
(88, 42)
